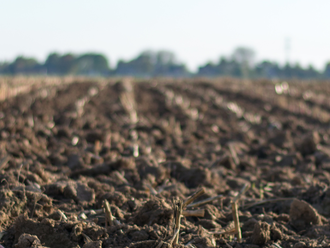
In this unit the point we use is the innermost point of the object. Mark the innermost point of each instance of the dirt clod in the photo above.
(309, 143)
(303, 215)
(300, 244)
(261, 233)
(93, 244)
(154, 211)
(28, 241)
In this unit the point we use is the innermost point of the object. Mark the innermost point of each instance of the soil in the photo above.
(66, 149)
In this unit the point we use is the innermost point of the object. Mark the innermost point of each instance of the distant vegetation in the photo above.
(240, 64)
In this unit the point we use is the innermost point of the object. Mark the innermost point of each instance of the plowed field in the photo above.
(113, 164)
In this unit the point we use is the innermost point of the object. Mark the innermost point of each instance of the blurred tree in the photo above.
(234, 68)
(287, 71)
(161, 63)
(225, 67)
(52, 64)
(240, 64)
(4, 68)
(208, 70)
(298, 72)
(142, 65)
(244, 55)
(267, 69)
(92, 64)
(245, 58)
(66, 64)
(167, 65)
(164, 58)
(23, 65)
(326, 72)
(150, 63)
(311, 73)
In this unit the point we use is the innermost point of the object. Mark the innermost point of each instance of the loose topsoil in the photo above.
(66, 150)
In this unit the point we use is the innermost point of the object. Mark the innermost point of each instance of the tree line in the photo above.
(240, 64)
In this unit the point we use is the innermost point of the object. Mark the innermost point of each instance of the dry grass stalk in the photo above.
(234, 154)
(173, 241)
(160, 244)
(276, 246)
(243, 190)
(2, 234)
(151, 189)
(163, 186)
(120, 177)
(3, 162)
(97, 147)
(178, 213)
(93, 212)
(63, 216)
(34, 207)
(135, 149)
(238, 232)
(128, 102)
(108, 214)
(195, 213)
(208, 200)
(234, 207)
(268, 201)
(126, 99)
(190, 246)
(86, 238)
(230, 232)
(19, 172)
(219, 160)
(193, 197)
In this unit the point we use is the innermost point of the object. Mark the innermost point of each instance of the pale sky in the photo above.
(197, 31)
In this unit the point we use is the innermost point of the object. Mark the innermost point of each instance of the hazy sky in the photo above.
(196, 31)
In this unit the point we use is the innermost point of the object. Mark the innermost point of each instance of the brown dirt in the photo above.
(64, 149)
